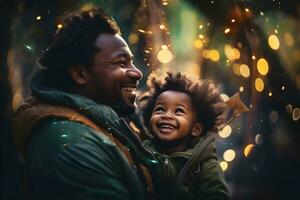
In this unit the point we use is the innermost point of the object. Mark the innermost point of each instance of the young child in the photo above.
(182, 116)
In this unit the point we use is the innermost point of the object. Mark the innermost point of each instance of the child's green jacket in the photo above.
(192, 174)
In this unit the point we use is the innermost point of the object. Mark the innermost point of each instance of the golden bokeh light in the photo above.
(224, 165)
(288, 38)
(225, 132)
(227, 30)
(231, 53)
(244, 70)
(214, 55)
(236, 69)
(241, 89)
(224, 97)
(59, 26)
(205, 54)
(273, 42)
(164, 56)
(161, 26)
(198, 44)
(296, 114)
(262, 66)
(38, 18)
(282, 88)
(133, 38)
(259, 84)
(270, 94)
(248, 149)
(229, 155)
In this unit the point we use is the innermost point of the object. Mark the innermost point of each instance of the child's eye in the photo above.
(179, 110)
(158, 109)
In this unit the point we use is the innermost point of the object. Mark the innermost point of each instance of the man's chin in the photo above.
(125, 108)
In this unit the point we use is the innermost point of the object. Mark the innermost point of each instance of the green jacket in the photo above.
(193, 174)
(67, 159)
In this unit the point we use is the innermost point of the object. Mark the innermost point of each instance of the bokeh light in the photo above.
(164, 56)
(229, 155)
(262, 66)
(224, 165)
(244, 70)
(296, 114)
(248, 149)
(259, 84)
(274, 42)
(225, 132)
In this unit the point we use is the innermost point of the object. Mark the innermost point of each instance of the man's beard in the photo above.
(123, 109)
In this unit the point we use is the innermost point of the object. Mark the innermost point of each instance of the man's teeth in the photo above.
(130, 89)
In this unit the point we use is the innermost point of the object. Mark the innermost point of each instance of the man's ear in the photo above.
(79, 74)
(197, 129)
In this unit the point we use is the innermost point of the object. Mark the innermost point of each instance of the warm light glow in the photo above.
(231, 53)
(133, 38)
(236, 69)
(59, 26)
(244, 70)
(259, 84)
(248, 149)
(296, 114)
(38, 18)
(289, 40)
(164, 46)
(253, 57)
(241, 89)
(247, 10)
(262, 66)
(232, 20)
(201, 36)
(270, 94)
(205, 54)
(214, 55)
(198, 44)
(201, 26)
(227, 30)
(282, 88)
(229, 155)
(224, 97)
(162, 26)
(141, 30)
(224, 165)
(164, 56)
(273, 42)
(225, 132)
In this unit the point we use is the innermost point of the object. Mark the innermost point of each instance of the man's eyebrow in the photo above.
(126, 55)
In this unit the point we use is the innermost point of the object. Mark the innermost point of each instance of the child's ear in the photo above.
(197, 129)
(78, 74)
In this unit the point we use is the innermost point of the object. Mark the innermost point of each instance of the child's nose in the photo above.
(167, 115)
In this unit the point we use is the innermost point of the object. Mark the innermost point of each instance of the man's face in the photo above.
(113, 78)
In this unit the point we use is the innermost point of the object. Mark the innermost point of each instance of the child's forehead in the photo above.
(174, 96)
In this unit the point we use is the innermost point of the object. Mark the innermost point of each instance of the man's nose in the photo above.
(134, 73)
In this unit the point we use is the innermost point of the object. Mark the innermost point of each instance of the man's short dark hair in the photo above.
(205, 98)
(74, 43)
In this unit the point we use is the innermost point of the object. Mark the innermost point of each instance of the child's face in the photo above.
(173, 117)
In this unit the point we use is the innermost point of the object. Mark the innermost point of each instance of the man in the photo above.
(73, 132)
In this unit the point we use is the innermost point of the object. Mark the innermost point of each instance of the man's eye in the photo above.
(122, 64)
